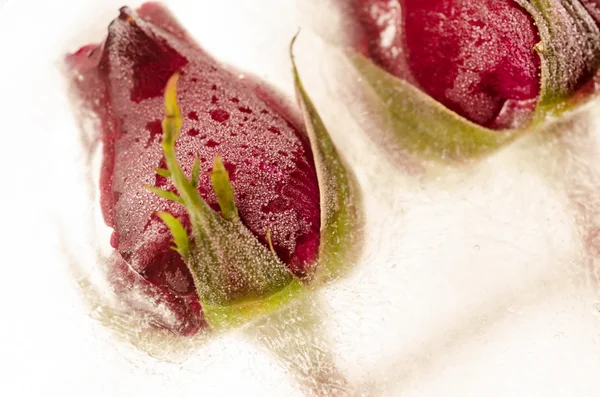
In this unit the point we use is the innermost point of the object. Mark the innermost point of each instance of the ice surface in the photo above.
(474, 281)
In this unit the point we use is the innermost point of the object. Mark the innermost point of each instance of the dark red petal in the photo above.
(475, 56)
(180, 314)
(593, 8)
(269, 159)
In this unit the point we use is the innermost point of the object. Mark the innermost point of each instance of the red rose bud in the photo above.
(501, 64)
(593, 7)
(475, 57)
(240, 191)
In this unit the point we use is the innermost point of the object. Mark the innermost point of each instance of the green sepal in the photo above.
(222, 187)
(569, 50)
(227, 317)
(171, 125)
(228, 264)
(195, 176)
(162, 172)
(418, 122)
(341, 218)
(180, 236)
(164, 194)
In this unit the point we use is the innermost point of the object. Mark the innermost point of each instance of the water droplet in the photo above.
(275, 130)
(219, 115)
(212, 143)
(155, 129)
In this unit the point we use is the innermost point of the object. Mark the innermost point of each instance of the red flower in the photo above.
(481, 58)
(266, 153)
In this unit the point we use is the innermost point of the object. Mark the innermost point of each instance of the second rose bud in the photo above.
(494, 64)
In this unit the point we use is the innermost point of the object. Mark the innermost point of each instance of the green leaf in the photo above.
(162, 172)
(195, 173)
(221, 250)
(165, 194)
(222, 187)
(341, 216)
(180, 236)
(569, 50)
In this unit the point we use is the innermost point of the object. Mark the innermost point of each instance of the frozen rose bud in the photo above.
(229, 135)
(593, 7)
(475, 57)
(492, 64)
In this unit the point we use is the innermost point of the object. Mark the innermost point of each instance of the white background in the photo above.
(474, 280)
